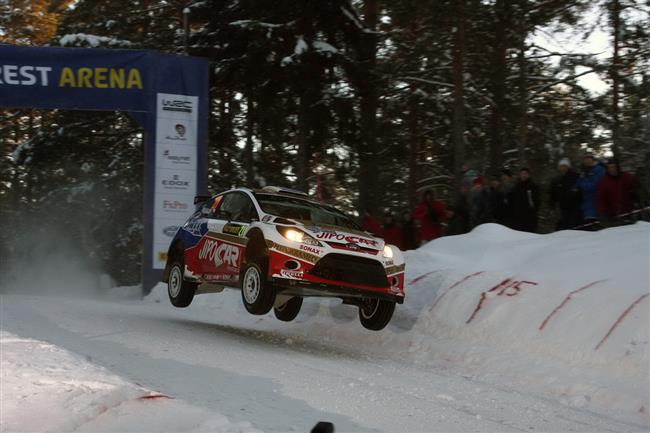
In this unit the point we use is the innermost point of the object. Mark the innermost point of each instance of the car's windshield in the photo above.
(304, 211)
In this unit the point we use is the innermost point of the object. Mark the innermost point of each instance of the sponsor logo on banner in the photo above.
(162, 256)
(220, 253)
(171, 104)
(179, 133)
(174, 182)
(176, 159)
(170, 231)
(174, 205)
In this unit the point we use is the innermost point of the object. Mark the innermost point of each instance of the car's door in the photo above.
(223, 251)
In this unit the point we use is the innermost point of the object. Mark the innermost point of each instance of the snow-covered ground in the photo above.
(501, 331)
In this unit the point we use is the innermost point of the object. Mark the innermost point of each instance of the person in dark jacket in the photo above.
(503, 213)
(429, 216)
(642, 188)
(592, 172)
(370, 224)
(479, 205)
(409, 234)
(494, 197)
(565, 195)
(615, 194)
(392, 232)
(525, 203)
(459, 220)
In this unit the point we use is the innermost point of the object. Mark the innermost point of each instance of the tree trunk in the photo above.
(304, 152)
(523, 102)
(368, 162)
(498, 84)
(614, 73)
(414, 150)
(248, 149)
(458, 131)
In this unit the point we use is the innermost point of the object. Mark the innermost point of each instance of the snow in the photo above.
(93, 41)
(301, 46)
(324, 47)
(45, 388)
(442, 364)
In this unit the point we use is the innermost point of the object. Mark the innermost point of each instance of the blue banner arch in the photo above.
(166, 94)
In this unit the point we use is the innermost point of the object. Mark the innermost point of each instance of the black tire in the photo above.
(180, 292)
(375, 314)
(257, 293)
(289, 310)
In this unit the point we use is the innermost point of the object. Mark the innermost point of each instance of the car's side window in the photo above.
(209, 208)
(237, 206)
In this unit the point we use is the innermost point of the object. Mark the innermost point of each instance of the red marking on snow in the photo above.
(566, 300)
(154, 396)
(620, 319)
(456, 284)
(513, 286)
(423, 276)
(503, 284)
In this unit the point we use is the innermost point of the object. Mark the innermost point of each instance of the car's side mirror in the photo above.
(206, 211)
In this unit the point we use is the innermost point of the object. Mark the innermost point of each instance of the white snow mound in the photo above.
(565, 314)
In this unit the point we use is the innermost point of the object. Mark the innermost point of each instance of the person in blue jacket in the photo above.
(592, 172)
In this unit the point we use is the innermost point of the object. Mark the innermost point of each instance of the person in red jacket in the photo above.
(392, 232)
(429, 216)
(615, 192)
(370, 224)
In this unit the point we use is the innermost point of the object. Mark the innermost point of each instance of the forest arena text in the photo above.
(87, 78)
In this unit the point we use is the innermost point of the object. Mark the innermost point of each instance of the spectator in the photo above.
(615, 193)
(479, 206)
(370, 224)
(409, 236)
(392, 232)
(525, 203)
(565, 195)
(642, 187)
(429, 216)
(459, 219)
(494, 197)
(592, 173)
(503, 213)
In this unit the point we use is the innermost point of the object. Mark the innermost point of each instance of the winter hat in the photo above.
(478, 180)
(612, 161)
(564, 161)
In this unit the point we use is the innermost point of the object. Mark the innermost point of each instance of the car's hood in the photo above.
(344, 236)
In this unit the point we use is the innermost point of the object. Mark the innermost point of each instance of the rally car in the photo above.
(278, 246)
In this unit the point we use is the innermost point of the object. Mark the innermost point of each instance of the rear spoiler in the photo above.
(201, 198)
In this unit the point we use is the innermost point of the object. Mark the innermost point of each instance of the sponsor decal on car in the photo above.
(288, 273)
(218, 277)
(390, 270)
(220, 253)
(294, 252)
(233, 229)
(170, 231)
(310, 249)
(193, 228)
(350, 239)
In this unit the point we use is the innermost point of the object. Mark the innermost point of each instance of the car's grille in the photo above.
(351, 269)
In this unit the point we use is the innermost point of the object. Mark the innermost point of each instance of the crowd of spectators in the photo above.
(599, 195)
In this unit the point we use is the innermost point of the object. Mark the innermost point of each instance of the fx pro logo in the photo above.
(219, 253)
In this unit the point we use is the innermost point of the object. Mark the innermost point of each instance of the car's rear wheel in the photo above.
(180, 292)
(257, 293)
(289, 310)
(375, 314)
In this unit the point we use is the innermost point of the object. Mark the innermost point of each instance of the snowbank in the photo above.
(45, 388)
(565, 314)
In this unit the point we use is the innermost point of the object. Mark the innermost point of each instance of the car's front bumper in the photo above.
(304, 288)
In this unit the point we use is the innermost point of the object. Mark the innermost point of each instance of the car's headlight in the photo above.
(299, 236)
(388, 252)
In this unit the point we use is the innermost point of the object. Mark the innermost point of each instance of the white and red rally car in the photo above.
(279, 246)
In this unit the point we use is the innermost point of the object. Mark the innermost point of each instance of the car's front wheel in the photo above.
(375, 314)
(180, 292)
(257, 293)
(289, 310)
